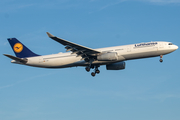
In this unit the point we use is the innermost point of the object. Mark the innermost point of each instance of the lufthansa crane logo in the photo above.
(18, 47)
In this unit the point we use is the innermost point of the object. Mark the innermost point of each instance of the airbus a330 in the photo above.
(113, 57)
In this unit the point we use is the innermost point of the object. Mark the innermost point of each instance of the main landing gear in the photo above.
(96, 70)
(161, 60)
(91, 66)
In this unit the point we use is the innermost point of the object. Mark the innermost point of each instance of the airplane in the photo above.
(113, 57)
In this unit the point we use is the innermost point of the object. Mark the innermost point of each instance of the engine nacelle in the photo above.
(108, 57)
(116, 66)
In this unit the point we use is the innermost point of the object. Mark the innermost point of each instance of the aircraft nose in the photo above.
(176, 47)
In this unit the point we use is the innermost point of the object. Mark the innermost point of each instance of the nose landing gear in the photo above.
(161, 60)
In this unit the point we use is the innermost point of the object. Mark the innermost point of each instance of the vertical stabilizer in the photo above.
(19, 49)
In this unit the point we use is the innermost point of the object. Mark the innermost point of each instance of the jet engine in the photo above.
(108, 57)
(116, 66)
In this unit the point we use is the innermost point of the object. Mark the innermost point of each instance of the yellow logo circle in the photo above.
(18, 47)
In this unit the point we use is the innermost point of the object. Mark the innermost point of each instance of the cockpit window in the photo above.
(170, 44)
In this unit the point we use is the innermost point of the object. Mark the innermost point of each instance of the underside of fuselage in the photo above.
(46, 63)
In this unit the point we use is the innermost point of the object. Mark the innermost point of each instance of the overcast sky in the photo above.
(145, 90)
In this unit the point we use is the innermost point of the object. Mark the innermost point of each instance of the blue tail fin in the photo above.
(19, 49)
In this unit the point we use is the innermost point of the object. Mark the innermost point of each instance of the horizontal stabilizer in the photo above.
(22, 60)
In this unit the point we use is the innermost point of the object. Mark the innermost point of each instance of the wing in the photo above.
(75, 48)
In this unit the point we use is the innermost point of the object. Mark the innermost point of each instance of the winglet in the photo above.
(49, 34)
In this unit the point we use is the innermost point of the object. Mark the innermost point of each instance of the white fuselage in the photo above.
(126, 52)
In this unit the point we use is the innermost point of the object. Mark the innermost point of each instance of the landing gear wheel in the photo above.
(87, 69)
(161, 60)
(97, 71)
(92, 66)
(93, 74)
